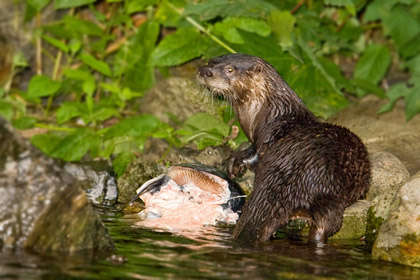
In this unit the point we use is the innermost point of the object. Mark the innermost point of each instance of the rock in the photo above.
(42, 207)
(387, 172)
(246, 181)
(134, 176)
(399, 236)
(354, 221)
(378, 212)
(96, 179)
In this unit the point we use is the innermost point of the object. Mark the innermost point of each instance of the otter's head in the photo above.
(237, 77)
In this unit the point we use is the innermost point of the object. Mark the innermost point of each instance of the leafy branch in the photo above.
(105, 54)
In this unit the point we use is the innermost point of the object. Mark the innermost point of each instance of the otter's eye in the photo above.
(229, 69)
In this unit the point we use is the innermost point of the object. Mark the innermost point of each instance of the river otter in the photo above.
(303, 167)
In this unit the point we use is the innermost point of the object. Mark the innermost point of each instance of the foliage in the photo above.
(105, 54)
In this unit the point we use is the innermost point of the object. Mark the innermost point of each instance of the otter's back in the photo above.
(312, 161)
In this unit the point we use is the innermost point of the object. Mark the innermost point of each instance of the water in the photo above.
(211, 254)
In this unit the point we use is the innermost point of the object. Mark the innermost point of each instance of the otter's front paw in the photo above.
(236, 166)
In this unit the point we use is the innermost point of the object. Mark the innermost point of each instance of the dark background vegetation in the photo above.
(105, 54)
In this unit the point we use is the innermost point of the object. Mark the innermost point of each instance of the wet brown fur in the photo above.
(302, 166)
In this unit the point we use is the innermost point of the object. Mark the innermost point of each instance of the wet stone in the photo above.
(42, 207)
(134, 176)
(97, 179)
(398, 238)
(354, 221)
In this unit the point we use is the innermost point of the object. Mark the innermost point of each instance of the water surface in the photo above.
(210, 254)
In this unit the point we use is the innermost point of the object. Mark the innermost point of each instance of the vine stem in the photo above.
(55, 128)
(38, 46)
(202, 29)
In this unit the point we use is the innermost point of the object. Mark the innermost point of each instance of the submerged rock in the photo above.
(398, 238)
(42, 207)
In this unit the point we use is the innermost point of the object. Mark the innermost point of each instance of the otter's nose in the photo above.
(205, 72)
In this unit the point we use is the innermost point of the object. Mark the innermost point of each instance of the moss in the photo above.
(372, 228)
(410, 246)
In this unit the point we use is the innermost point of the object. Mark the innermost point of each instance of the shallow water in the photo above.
(147, 254)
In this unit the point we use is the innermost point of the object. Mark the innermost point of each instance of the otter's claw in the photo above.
(235, 167)
(240, 161)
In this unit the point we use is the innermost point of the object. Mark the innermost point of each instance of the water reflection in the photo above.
(210, 254)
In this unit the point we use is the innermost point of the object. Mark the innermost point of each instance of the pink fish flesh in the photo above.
(185, 207)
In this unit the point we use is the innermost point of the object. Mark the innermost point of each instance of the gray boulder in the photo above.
(41, 206)
(387, 172)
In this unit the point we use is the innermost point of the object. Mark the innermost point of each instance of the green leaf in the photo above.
(24, 122)
(6, 110)
(210, 9)
(311, 55)
(134, 58)
(101, 113)
(373, 64)
(376, 10)
(141, 126)
(271, 52)
(82, 27)
(396, 92)
(69, 110)
(64, 4)
(335, 72)
(414, 67)
(179, 47)
(56, 43)
(366, 86)
(79, 74)
(403, 28)
(75, 145)
(166, 15)
(282, 24)
(316, 91)
(411, 47)
(412, 102)
(74, 45)
(96, 64)
(208, 123)
(41, 86)
(45, 142)
(343, 3)
(19, 60)
(121, 161)
(228, 28)
(135, 6)
(89, 87)
(38, 5)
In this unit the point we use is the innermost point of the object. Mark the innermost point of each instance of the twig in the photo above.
(38, 46)
(297, 7)
(202, 29)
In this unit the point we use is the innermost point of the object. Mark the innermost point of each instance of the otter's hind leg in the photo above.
(327, 217)
(260, 218)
